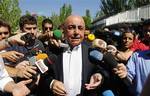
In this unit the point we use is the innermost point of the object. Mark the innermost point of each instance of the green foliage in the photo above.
(111, 7)
(10, 12)
(87, 19)
(56, 20)
(39, 20)
(65, 11)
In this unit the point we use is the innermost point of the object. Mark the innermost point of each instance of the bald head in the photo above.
(74, 17)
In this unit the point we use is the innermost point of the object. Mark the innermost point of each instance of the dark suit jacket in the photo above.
(56, 72)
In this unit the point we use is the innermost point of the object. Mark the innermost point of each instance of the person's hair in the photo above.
(27, 19)
(5, 24)
(47, 20)
(129, 30)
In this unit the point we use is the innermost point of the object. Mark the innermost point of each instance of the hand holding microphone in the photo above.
(96, 57)
(56, 37)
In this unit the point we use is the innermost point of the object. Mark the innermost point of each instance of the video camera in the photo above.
(110, 37)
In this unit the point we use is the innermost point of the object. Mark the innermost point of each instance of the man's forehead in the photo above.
(74, 20)
(30, 25)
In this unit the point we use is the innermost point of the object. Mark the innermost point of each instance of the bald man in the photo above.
(72, 74)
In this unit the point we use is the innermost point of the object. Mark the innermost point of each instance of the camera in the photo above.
(29, 40)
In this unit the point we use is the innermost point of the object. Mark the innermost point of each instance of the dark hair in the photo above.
(129, 30)
(27, 19)
(146, 22)
(5, 24)
(47, 20)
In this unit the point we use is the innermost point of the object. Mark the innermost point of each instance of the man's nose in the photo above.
(76, 30)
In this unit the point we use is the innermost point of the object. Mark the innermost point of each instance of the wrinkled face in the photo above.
(128, 39)
(4, 33)
(30, 28)
(48, 27)
(74, 30)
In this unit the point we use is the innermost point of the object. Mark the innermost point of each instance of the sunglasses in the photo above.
(5, 33)
(46, 28)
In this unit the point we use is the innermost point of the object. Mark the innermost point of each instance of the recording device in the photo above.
(57, 34)
(29, 40)
(37, 56)
(31, 43)
(91, 37)
(96, 57)
(43, 62)
(111, 49)
(99, 43)
(108, 93)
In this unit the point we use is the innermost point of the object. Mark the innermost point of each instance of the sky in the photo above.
(46, 7)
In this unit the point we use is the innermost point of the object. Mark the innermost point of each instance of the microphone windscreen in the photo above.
(111, 48)
(99, 43)
(107, 93)
(91, 37)
(41, 56)
(57, 34)
(95, 56)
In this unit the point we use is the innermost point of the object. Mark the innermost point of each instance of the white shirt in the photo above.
(72, 70)
(4, 77)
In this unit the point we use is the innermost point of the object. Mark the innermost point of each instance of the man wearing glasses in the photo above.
(47, 25)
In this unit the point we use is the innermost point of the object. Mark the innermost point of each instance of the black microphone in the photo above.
(96, 57)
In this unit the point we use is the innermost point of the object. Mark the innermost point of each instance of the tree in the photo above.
(139, 3)
(111, 7)
(39, 21)
(87, 19)
(56, 20)
(65, 11)
(10, 12)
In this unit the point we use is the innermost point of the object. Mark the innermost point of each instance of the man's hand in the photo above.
(95, 81)
(58, 88)
(20, 88)
(121, 70)
(16, 39)
(12, 56)
(25, 70)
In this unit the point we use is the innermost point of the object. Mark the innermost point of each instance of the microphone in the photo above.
(32, 44)
(96, 57)
(42, 61)
(91, 37)
(57, 34)
(99, 43)
(111, 49)
(107, 93)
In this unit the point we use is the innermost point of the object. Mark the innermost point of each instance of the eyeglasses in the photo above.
(46, 28)
(5, 33)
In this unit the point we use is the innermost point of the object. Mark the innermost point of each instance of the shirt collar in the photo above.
(74, 49)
